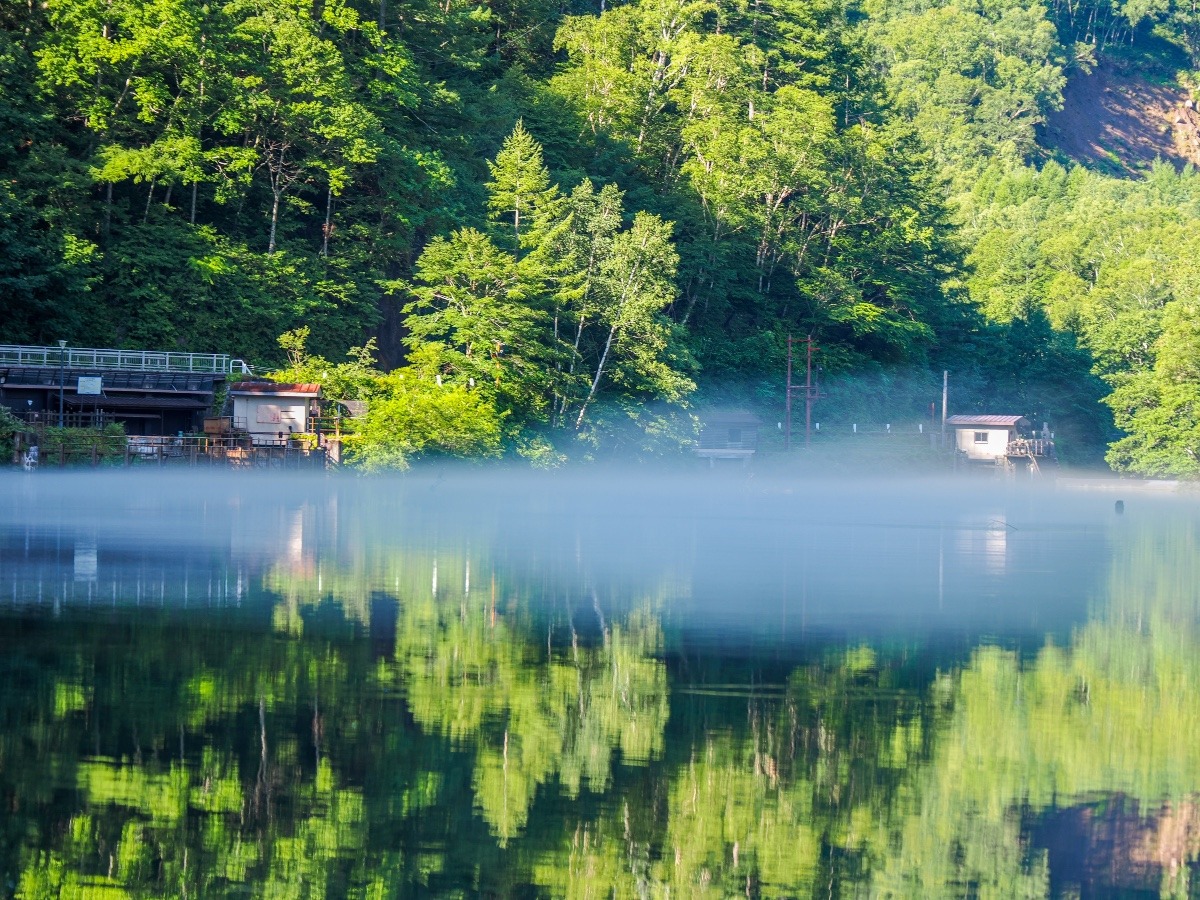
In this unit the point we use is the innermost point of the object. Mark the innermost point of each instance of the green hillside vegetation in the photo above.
(564, 226)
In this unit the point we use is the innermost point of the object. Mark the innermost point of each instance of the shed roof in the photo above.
(729, 417)
(997, 421)
(273, 389)
(123, 401)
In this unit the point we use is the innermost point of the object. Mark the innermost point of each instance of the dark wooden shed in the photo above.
(728, 434)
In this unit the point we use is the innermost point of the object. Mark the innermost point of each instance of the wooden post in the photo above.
(787, 415)
(808, 393)
(945, 395)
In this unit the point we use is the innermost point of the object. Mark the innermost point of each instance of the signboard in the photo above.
(268, 414)
(89, 384)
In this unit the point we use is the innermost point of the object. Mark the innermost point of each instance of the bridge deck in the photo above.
(127, 360)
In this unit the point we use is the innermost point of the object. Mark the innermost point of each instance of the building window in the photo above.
(981, 437)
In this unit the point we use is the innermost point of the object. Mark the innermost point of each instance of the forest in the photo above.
(554, 229)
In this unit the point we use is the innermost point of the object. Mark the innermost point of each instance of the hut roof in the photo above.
(729, 417)
(274, 389)
(993, 421)
(119, 402)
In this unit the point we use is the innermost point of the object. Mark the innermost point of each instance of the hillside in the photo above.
(570, 228)
(1120, 123)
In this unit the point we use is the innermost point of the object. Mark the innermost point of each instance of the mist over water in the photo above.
(463, 682)
(730, 554)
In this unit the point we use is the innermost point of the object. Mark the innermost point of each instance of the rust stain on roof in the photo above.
(273, 388)
(1006, 421)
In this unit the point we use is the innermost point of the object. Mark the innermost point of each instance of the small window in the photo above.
(981, 437)
(735, 435)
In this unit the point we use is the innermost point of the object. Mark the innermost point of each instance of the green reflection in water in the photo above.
(1115, 714)
(372, 729)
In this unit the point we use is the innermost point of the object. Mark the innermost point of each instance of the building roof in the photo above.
(273, 389)
(729, 417)
(995, 421)
(122, 402)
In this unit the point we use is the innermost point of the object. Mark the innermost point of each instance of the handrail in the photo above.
(129, 360)
(1030, 447)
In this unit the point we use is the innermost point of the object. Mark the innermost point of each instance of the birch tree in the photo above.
(293, 102)
(636, 282)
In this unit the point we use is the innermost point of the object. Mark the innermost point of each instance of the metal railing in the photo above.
(49, 418)
(128, 360)
(1030, 447)
(36, 451)
(215, 451)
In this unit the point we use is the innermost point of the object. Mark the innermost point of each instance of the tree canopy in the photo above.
(584, 213)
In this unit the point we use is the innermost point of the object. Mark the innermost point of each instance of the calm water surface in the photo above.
(459, 684)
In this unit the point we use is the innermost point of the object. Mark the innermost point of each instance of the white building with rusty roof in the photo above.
(1000, 439)
(271, 411)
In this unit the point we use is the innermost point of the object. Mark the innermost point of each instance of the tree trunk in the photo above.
(274, 220)
(596, 381)
(578, 338)
(328, 208)
(660, 73)
(625, 292)
(107, 209)
(149, 199)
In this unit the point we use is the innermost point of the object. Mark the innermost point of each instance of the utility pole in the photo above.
(62, 360)
(811, 392)
(787, 439)
(945, 394)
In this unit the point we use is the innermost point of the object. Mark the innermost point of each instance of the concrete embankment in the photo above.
(1127, 485)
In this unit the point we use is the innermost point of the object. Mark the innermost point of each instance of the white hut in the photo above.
(270, 411)
(986, 438)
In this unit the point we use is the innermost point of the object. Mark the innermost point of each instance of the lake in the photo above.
(466, 683)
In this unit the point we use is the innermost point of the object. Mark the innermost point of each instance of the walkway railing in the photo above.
(36, 451)
(49, 418)
(128, 360)
(1031, 447)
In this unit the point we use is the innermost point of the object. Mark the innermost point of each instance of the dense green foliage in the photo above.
(588, 220)
(1113, 262)
(75, 446)
(9, 426)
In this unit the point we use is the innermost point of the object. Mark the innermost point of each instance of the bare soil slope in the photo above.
(1120, 123)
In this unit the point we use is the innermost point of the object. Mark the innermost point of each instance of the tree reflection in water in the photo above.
(444, 721)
